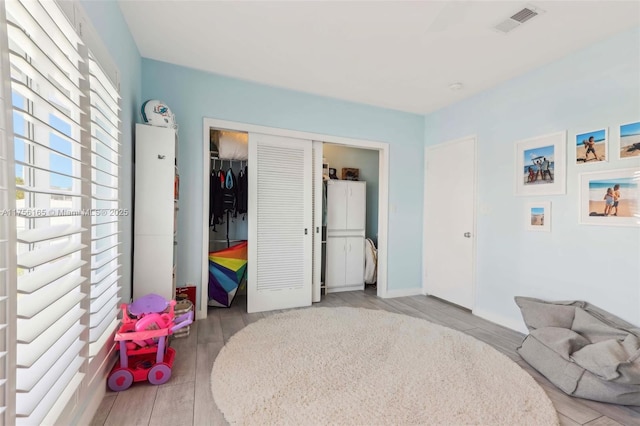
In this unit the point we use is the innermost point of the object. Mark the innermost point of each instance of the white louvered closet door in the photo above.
(280, 223)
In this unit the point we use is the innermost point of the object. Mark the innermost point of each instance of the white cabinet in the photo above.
(345, 264)
(346, 205)
(156, 207)
(346, 217)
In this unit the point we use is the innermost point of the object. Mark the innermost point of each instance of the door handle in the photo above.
(467, 234)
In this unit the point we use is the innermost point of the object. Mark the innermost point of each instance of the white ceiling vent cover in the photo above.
(518, 19)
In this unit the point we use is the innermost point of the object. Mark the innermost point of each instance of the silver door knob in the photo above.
(467, 234)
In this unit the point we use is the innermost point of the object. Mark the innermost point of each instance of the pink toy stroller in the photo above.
(142, 342)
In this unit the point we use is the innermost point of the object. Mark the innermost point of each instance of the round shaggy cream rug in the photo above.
(356, 366)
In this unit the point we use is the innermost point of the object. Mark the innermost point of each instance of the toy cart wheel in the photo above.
(159, 374)
(120, 380)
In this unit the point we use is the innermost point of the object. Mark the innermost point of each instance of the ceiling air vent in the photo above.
(518, 19)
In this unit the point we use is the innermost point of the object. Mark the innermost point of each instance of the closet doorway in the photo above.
(349, 256)
(383, 196)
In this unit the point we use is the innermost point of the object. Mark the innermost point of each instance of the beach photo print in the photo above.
(630, 140)
(540, 165)
(610, 197)
(591, 147)
(538, 216)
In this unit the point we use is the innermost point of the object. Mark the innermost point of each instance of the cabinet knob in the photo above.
(161, 157)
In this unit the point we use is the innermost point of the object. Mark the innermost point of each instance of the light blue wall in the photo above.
(366, 160)
(193, 95)
(594, 88)
(114, 32)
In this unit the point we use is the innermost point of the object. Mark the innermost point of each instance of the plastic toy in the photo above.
(142, 342)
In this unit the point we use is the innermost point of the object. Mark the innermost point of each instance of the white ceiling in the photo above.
(394, 54)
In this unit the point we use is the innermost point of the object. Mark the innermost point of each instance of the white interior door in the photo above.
(449, 221)
(280, 223)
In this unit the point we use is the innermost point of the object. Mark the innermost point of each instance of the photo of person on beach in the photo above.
(630, 140)
(620, 197)
(538, 165)
(608, 201)
(537, 216)
(591, 146)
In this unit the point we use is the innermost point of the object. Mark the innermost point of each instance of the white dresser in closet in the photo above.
(346, 218)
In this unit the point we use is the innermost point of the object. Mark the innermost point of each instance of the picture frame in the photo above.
(629, 141)
(594, 196)
(349, 173)
(540, 164)
(592, 146)
(538, 216)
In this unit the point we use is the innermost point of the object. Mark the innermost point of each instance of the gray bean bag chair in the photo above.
(583, 350)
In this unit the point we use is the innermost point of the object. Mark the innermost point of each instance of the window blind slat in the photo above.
(37, 145)
(38, 278)
(97, 278)
(106, 329)
(43, 127)
(102, 299)
(109, 121)
(28, 353)
(54, 29)
(44, 81)
(38, 302)
(61, 21)
(65, 55)
(39, 257)
(45, 106)
(56, 379)
(49, 191)
(30, 328)
(106, 84)
(40, 234)
(66, 77)
(105, 313)
(26, 379)
(30, 166)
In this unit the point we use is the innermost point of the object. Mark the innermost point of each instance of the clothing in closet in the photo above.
(229, 192)
(243, 192)
(216, 210)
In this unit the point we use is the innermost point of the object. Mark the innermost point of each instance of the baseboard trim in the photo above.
(500, 320)
(93, 404)
(405, 292)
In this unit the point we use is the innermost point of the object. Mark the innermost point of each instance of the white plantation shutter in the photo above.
(46, 95)
(105, 148)
(7, 245)
(59, 278)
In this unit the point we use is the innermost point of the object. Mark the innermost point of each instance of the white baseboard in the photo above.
(93, 404)
(405, 292)
(500, 320)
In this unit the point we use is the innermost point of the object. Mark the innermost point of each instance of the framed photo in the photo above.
(541, 165)
(610, 198)
(591, 147)
(630, 140)
(350, 173)
(538, 216)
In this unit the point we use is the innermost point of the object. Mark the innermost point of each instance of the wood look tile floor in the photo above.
(186, 399)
